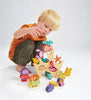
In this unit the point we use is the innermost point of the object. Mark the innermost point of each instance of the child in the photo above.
(30, 36)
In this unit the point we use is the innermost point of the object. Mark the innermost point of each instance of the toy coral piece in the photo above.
(53, 70)
(41, 53)
(49, 76)
(47, 48)
(25, 71)
(53, 83)
(35, 60)
(34, 80)
(49, 88)
(68, 71)
(57, 58)
(61, 75)
(48, 42)
(24, 77)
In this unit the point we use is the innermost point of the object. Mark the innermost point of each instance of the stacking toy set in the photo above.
(50, 65)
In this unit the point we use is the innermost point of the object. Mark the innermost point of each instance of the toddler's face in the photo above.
(45, 28)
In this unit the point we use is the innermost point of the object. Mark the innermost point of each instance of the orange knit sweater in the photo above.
(15, 42)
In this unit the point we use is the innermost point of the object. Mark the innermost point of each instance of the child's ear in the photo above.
(39, 19)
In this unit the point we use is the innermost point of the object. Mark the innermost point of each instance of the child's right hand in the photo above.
(34, 31)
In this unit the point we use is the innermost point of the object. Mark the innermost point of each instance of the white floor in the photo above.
(77, 86)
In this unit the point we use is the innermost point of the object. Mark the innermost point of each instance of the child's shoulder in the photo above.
(27, 25)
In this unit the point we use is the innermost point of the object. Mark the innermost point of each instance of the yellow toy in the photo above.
(53, 83)
(35, 60)
(68, 71)
(61, 75)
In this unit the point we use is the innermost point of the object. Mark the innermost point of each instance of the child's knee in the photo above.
(24, 53)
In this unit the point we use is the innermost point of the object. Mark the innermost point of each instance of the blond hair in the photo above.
(51, 17)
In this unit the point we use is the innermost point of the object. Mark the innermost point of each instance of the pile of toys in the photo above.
(50, 65)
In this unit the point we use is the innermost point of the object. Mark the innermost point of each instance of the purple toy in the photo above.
(25, 71)
(41, 53)
(61, 84)
(49, 88)
(60, 81)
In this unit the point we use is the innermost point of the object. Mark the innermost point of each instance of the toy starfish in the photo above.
(57, 58)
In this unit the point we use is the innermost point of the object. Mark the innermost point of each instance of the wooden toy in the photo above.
(60, 81)
(35, 60)
(68, 71)
(24, 77)
(49, 88)
(34, 80)
(48, 42)
(51, 67)
(25, 71)
(57, 58)
(41, 53)
(53, 83)
(49, 76)
(61, 75)
(47, 48)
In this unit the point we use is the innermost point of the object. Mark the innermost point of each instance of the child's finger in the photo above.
(34, 34)
(37, 32)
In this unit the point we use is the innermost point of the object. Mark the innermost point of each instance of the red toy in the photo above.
(24, 77)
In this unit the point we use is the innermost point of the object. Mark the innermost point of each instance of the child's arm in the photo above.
(34, 31)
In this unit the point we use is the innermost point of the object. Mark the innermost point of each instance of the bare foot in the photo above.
(19, 68)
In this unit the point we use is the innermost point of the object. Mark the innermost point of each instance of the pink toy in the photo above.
(41, 53)
(47, 48)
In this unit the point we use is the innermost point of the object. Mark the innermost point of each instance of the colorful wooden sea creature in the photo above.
(41, 53)
(48, 42)
(61, 75)
(47, 48)
(34, 80)
(24, 77)
(49, 88)
(53, 83)
(68, 71)
(25, 71)
(49, 76)
(57, 59)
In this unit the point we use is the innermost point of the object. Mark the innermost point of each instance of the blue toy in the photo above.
(48, 42)
(49, 76)
(45, 60)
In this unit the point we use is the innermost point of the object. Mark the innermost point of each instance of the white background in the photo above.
(72, 42)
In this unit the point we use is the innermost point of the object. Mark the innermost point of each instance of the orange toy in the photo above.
(34, 77)
(57, 59)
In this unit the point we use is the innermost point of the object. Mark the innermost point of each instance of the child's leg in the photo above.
(23, 53)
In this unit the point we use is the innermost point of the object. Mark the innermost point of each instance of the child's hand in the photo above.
(34, 31)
